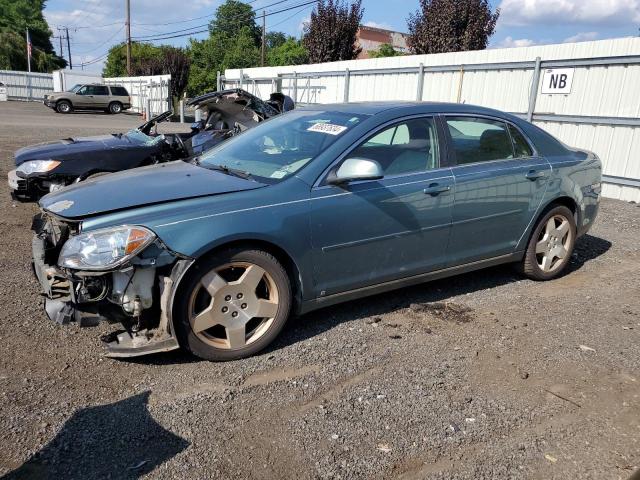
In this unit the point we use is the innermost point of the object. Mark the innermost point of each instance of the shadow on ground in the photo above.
(587, 248)
(117, 440)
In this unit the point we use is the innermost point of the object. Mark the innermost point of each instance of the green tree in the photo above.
(15, 17)
(217, 53)
(331, 32)
(275, 39)
(291, 52)
(385, 50)
(233, 16)
(145, 60)
(451, 26)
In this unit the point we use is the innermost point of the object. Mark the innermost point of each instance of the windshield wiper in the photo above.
(229, 171)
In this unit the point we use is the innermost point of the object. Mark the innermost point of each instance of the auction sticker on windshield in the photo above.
(329, 128)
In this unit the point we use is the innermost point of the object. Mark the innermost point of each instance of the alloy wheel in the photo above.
(233, 306)
(554, 243)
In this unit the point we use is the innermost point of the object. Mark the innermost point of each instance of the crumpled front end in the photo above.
(137, 294)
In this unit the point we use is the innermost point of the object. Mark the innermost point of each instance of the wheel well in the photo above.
(293, 272)
(64, 100)
(567, 202)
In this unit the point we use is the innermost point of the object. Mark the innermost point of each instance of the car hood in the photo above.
(59, 149)
(141, 186)
(233, 102)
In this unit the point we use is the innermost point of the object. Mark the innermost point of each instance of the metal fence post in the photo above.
(218, 81)
(148, 107)
(420, 82)
(241, 85)
(347, 77)
(533, 94)
(295, 87)
(460, 83)
(181, 111)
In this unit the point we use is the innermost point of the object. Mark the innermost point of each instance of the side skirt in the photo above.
(341, 297)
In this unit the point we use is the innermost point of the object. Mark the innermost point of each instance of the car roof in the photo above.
(373, 108)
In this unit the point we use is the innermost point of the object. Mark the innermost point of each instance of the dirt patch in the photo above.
(446, 311)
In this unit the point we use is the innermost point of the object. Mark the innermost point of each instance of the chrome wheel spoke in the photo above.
(559, 252)
(236, 335)
(204, 320)
(563, 229)
(547, 260)
(541, 246)
(251, 277)
(551, 226)
(213, 282)
(266, 309)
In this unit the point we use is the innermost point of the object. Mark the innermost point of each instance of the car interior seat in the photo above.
(416, 153)
(494, 145)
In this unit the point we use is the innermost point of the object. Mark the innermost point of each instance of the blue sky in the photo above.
(95, 25)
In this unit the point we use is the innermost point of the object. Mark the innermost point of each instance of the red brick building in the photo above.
(370, 38)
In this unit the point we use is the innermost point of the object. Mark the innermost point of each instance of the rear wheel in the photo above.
(63, 106)
(233, 305)
(551, 245)
(115, 107)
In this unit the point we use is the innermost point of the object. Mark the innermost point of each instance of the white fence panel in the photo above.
(156, 88)
(601, 112)
(26, 86)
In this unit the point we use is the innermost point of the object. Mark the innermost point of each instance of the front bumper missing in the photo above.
(64, 303)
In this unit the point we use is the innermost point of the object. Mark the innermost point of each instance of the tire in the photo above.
(549, 249)
(64, 106)
(115, 108)
(247, 290)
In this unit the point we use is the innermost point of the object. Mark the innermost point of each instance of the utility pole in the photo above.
(69, 48)
(128, 26)
(263, 35)
(28, 38)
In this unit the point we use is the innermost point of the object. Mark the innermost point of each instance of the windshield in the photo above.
(75, 88)
(281, 146)
(139, 137)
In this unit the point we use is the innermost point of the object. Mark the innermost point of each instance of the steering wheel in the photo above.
(181, 147)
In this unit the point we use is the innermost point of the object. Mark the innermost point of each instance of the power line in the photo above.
(103, 43)
(177, 34)
(169, 35)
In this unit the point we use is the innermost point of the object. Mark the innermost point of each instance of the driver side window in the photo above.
(406, 147)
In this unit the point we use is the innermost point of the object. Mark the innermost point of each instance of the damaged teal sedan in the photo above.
(312, 208)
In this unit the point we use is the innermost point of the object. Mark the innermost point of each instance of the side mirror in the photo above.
(354, 169)
(197, 126)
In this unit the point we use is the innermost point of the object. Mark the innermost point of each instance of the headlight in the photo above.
(37, 166)
(104, 249)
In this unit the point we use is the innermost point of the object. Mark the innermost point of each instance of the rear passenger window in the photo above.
(406, 147)
(119, 92)
(520, 145)
(97, 90)
(478, 139)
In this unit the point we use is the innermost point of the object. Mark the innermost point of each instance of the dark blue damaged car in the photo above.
(311, 208)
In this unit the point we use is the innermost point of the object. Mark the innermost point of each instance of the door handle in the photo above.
(436, 189)
(535, 174)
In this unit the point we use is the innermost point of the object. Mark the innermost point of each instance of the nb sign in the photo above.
(557, 80)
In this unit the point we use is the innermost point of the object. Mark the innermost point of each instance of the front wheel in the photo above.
(63, 106)
(551, 245)
(232, 305)
(115, 107)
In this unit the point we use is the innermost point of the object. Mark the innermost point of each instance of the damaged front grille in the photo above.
(54, 232)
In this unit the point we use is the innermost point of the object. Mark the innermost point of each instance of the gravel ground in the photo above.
(483, 375)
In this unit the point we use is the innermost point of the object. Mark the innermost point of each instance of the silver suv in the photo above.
(94, 96)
